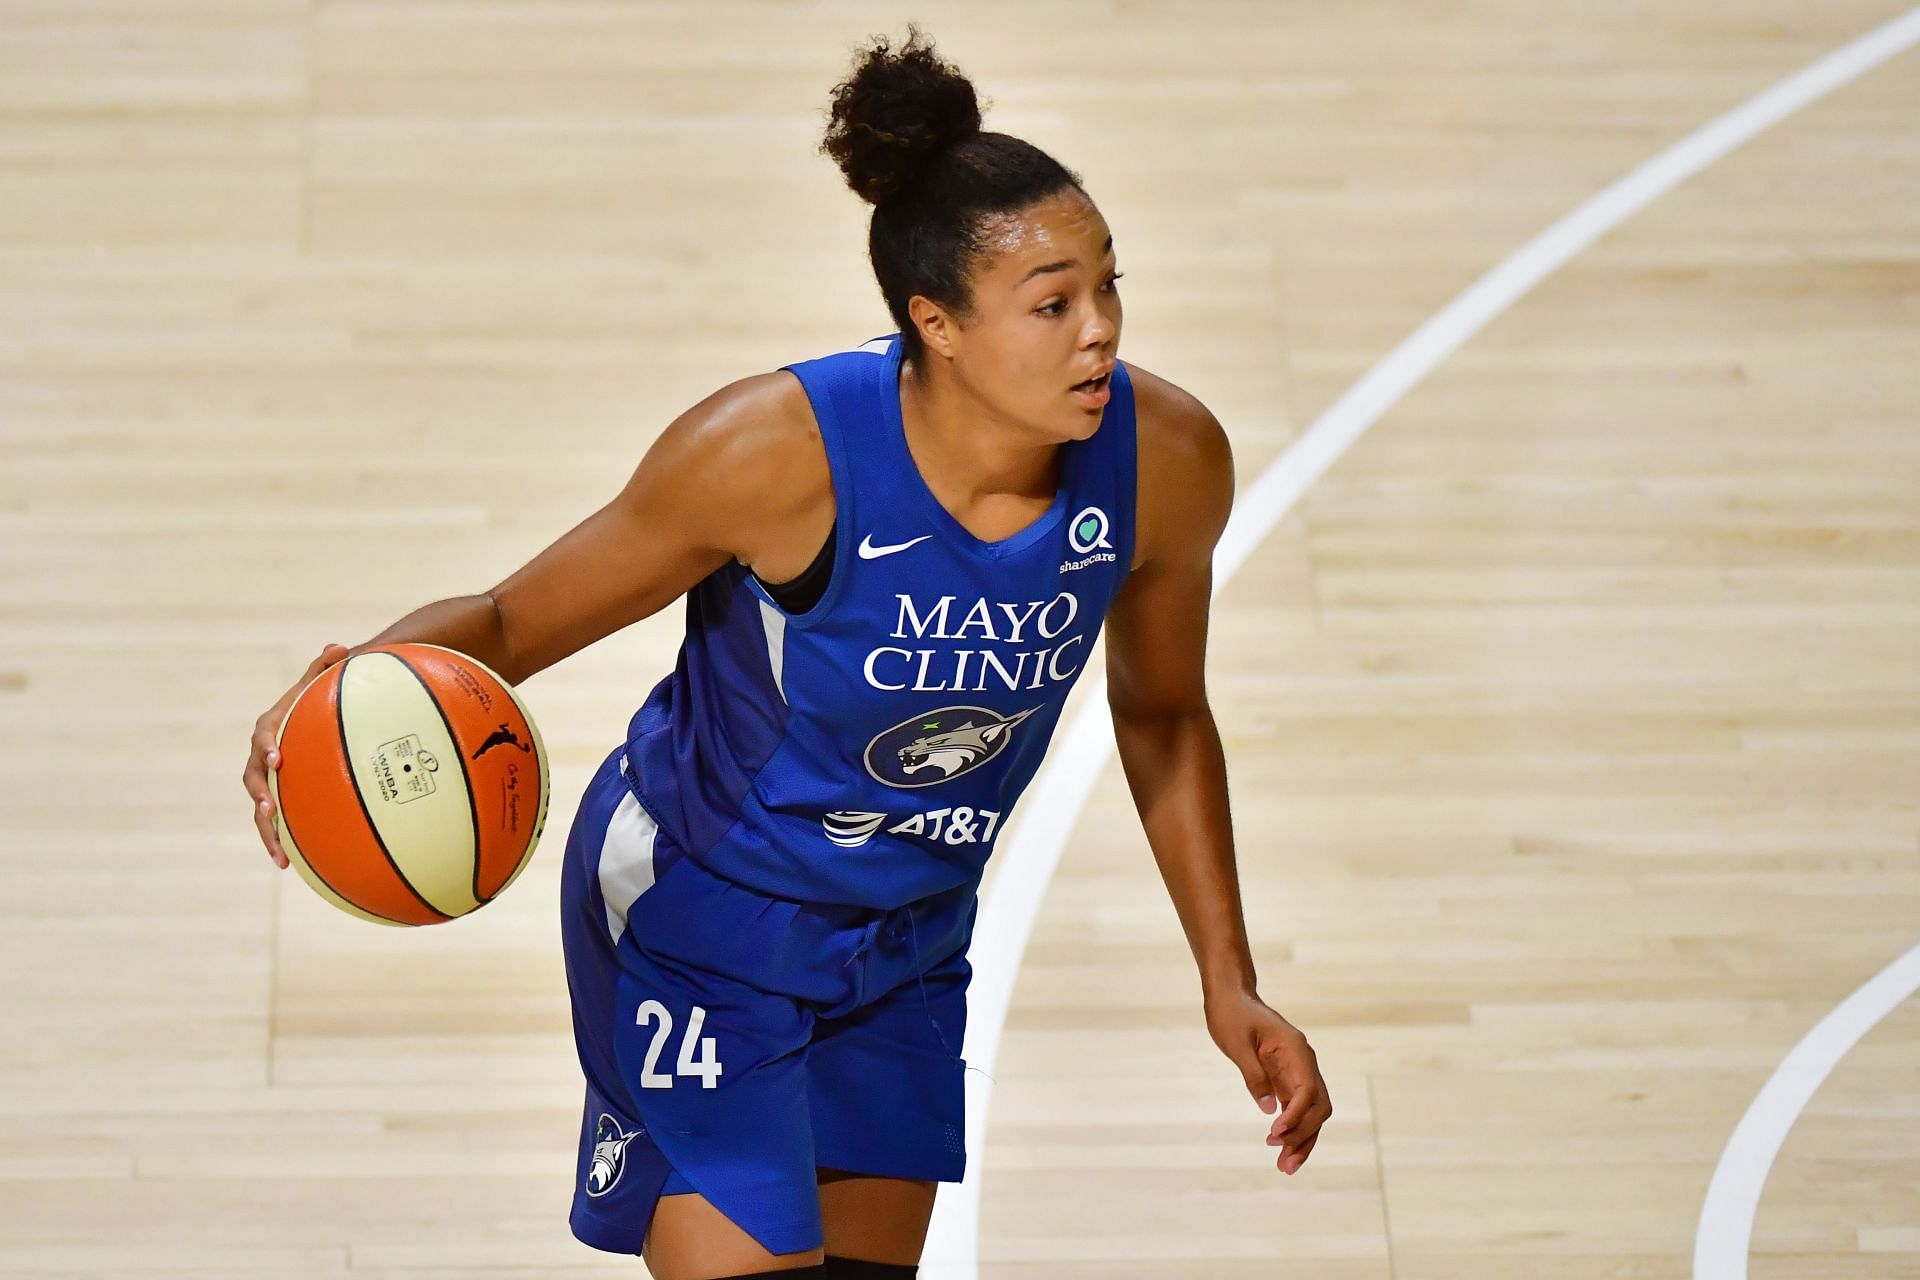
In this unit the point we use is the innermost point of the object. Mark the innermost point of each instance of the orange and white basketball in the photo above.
(412, 785)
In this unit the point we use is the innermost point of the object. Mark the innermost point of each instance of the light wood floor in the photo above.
(1573, 719)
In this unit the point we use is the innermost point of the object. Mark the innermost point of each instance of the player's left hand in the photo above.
(1279, 1066)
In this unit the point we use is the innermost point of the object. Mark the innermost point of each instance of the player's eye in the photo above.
(1059, 305)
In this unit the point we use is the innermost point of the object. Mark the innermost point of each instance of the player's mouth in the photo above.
(1094, 392)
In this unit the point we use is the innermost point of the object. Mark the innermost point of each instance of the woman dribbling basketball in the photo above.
(896, 559)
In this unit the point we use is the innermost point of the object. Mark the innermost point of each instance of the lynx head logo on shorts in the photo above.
(1089, 530)
(609, 1155)
(941, 745)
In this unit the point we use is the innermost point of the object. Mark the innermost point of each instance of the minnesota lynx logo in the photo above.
(609, 1155)
(941, 745)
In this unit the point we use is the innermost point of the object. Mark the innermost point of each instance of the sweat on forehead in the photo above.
(1046, 233)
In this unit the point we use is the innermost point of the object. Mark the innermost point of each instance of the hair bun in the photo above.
(894, 113)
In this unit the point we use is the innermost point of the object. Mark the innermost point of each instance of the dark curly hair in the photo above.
(905, 129)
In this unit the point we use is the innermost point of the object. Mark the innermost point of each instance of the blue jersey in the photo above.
(870, 750)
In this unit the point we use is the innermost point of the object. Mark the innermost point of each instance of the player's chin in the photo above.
(1076, 418)
(1083, 423)
(1066, 419)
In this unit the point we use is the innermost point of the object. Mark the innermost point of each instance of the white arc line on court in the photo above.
(1008, 910)
(1726, 1219)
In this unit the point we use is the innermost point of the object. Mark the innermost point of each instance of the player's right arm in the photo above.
(737, 476)
(726, 480)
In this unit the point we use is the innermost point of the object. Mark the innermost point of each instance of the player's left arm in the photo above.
(1156, 633)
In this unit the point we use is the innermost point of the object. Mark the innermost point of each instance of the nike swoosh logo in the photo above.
(870, 552)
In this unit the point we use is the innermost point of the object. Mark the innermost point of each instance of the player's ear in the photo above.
(935, 323)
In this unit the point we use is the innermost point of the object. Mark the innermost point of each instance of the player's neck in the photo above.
(964, 449)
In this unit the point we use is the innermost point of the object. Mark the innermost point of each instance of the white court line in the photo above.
(1725, 1235)
(1012, 902)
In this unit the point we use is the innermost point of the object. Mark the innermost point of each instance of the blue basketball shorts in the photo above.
(733, 1043)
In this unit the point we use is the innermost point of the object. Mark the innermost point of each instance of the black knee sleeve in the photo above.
(855, 1269)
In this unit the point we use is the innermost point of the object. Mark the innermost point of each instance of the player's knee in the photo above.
(818, 1271)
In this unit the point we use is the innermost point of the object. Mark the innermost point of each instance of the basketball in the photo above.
(412, 785)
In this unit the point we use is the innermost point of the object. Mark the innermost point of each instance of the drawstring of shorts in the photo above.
(925, 1001)
(866, 943)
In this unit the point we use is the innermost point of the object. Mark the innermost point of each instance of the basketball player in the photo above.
(896, 559)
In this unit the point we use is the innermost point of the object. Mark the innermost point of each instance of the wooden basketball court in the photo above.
(1572, 718)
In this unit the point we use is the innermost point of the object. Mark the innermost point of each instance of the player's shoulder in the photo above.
(1185, 471)
(1178, 436)
(760, 429)
(762, 411)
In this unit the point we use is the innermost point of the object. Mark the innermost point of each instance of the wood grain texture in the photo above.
(1573, 720)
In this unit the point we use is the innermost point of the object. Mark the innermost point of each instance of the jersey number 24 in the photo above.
(706, 1065)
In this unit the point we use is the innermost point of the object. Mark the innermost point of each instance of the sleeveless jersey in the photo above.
(870, 750)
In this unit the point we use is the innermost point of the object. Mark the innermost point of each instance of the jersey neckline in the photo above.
(896, 433)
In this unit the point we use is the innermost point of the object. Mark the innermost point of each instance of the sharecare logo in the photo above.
(1089, 530)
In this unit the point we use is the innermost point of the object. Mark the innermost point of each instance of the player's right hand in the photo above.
(265, 755)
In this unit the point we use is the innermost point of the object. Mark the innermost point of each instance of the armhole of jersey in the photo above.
(1129, 478)
(837, 468)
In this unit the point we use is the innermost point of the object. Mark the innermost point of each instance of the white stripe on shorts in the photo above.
(626, 858)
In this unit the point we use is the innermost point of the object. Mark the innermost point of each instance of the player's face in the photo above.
(1046, 316)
